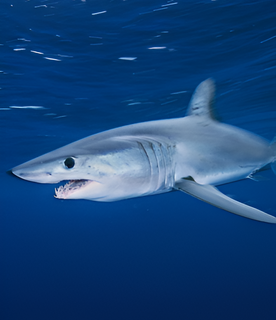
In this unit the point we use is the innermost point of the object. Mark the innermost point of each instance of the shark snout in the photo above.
(33, 176)
(9, 172)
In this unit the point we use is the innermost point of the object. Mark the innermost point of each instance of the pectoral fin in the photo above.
(213, 196)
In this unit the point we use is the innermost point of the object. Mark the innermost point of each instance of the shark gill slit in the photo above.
(149, 151)
(162, 164)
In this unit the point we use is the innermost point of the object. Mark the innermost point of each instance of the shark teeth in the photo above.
(63, 192)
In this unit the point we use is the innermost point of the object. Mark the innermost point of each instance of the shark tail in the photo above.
(273, 147)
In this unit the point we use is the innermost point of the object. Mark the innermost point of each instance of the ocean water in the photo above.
(69, 69)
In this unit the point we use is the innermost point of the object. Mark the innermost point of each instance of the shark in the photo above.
(193, 154)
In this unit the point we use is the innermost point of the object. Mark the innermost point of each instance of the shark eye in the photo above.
(69, 163)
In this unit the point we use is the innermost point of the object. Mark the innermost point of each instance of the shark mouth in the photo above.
(63, 192)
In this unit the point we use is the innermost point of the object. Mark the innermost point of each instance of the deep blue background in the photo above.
(162, 257)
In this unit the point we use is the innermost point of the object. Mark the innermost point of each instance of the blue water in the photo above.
(162, 257)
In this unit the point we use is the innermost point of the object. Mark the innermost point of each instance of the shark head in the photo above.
(95, 169)
(48, 169)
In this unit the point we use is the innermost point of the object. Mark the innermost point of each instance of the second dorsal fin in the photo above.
(202, 101)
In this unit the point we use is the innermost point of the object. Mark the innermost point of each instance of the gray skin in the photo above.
(191, 154)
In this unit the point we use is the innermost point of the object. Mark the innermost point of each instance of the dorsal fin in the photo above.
(202, 101)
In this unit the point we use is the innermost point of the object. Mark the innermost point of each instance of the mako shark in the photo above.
(192, 154)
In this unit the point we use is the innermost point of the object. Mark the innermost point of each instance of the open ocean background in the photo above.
(69, 69)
